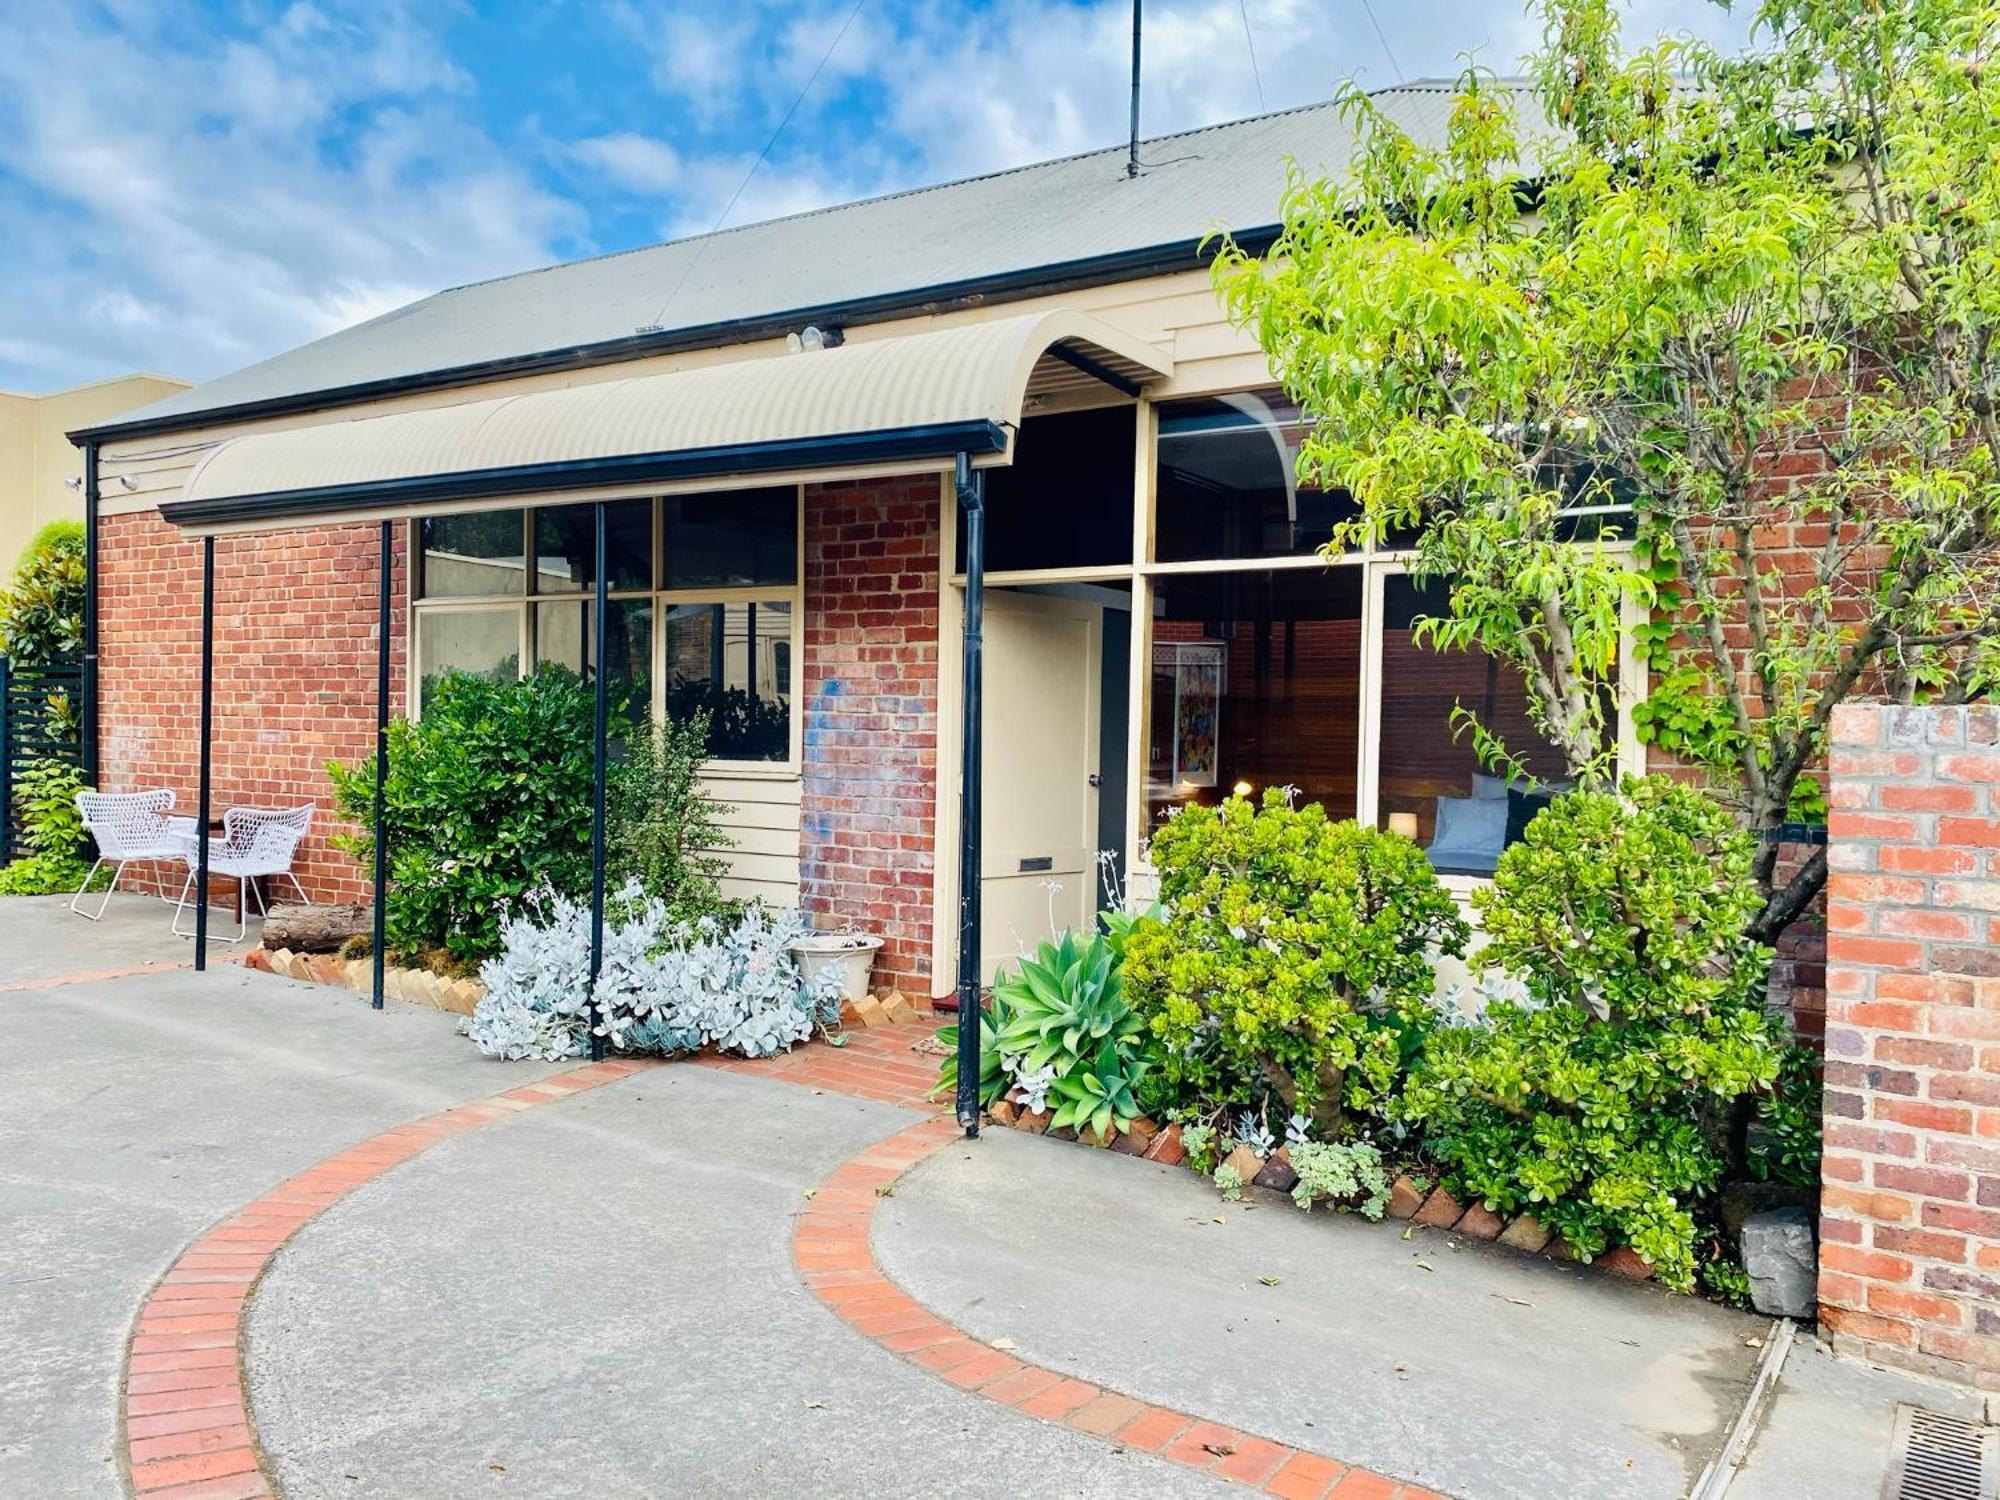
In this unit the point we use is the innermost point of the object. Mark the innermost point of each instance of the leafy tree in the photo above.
(1754, 299)
(41, 615)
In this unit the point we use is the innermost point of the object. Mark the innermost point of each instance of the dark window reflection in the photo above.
(1066, 500)
(729, 539)
(566, 546)
(1228, 483)
(470, 556)
(733, 663)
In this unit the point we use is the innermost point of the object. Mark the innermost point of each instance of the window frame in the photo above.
(1378, 563)
(525, 604)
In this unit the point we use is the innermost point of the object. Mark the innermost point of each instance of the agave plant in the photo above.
(1065, 1001)
(994, 1078)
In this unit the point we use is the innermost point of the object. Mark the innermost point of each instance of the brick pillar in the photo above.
(1910, 1232)
(869, 794)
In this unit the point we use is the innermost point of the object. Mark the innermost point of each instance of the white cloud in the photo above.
(202, 203)
(635, 162)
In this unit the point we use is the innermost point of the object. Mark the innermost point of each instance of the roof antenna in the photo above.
(1132, 161)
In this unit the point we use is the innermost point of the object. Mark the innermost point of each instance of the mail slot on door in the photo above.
(1038, 862)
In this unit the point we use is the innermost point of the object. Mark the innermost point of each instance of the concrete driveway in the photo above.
(597, 1298)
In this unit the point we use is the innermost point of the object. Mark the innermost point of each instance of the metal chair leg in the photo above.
(76, 901)
(242, 925)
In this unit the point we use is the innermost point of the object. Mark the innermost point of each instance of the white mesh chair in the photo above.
(130, 828)
(254, 843)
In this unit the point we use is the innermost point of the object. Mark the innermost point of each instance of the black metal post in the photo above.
(972, 499)
(89, 615)
(600, 659)
(381, 935)
(207, 723)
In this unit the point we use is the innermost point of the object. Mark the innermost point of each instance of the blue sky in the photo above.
(191, 185)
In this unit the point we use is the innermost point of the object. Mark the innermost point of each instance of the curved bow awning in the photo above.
(911, 403)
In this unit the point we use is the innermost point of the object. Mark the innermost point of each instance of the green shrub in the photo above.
(1606, 1102)
(41, 613)
(1293, 959)
(45, 792)
(660, 829)
(488, 797)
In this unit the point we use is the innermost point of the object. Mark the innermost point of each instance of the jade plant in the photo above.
(1293, 960)
(1606, 1100)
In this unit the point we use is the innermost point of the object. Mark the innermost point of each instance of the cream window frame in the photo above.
(526, 600)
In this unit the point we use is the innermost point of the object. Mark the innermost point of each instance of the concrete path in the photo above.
(133, 1114)
(597, 1297)
(41, 938)
(1470, 1370)
(598, 1300)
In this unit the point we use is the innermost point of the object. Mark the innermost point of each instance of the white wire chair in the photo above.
(130, 828)
(255, 843)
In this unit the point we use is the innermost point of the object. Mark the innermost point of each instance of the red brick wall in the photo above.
(868, 803)
(1910, 1233)
(295, 615)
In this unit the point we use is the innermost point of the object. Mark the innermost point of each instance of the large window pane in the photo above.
(1228, 484)
(566, 546)
(733, 662)
(1431, 782)
(1255, 684)
(1066, 500)
(483, 641)
(566, 633)
(471, 555)
(730, 539)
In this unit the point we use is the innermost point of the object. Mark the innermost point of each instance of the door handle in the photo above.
(1096, 780)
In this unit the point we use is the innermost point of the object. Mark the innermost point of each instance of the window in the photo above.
(702, 614)
(474, 556)
(1255, 683)
(1429, 781)
(723, 660)
(1228, 487)
(1066, 500)
(1265, 664)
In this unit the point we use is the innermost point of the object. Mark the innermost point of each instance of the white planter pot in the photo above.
(851, 955)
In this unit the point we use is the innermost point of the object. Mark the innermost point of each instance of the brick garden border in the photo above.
(832, 1249)
(184, 1427)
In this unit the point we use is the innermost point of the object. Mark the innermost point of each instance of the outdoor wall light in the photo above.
(128, 481)
(813, 338)
(1403, 823)
(1242, 789)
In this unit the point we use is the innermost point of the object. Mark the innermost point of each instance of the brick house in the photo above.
(1159, 626)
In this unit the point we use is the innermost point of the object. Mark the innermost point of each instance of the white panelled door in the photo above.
(1044, 660)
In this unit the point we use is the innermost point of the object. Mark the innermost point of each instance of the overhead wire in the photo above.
(701, 247)
(1380, 36)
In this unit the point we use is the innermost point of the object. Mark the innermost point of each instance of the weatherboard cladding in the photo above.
(1074, 211)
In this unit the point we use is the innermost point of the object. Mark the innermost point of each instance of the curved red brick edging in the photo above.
(832, 1249)
(186, 1430)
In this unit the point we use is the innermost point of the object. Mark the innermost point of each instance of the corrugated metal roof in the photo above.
(802, 410)
(1053, 213)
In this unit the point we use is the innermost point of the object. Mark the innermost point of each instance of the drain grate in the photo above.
(1936, 1457)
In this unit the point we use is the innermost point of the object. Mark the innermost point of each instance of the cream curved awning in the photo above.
(911, 402)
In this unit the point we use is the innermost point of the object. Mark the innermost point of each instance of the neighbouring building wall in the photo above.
(37, 459)
(869, 758)
(1910, 1233)
(295, 663)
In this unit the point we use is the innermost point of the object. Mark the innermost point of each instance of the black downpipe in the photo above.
(601, 661)
(201, 799)
(90, 615)
(972, 500)
(382, 771)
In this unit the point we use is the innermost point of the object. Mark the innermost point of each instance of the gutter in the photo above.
(940, 441)
(941, 297)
